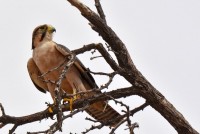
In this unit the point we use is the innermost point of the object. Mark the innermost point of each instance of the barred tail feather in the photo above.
(103, 112)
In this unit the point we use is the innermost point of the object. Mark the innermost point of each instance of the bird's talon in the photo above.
(50, 109)
(70, 101)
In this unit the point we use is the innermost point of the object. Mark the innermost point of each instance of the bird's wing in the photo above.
(101, 111)
(78, 64)
(34, 73)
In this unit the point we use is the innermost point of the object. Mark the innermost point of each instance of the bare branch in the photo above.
(2, 109)
(123, 92)
(13, 129)
(103, 52)
(132, 127)
(54, 127)
(117, 126)
(128, 120)
(125, 67)
(100, 10)
(109, 81)
(92, 58)
(132, 112)
(56, 68)
(92, 128)
(58, 97)
(153, 96)
(127, 116)
(89, 119)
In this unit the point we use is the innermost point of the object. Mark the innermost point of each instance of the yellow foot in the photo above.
(70, 100)
(50, 109)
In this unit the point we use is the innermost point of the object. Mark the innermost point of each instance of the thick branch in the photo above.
(106, 32)
(123, 92)
(154, 97)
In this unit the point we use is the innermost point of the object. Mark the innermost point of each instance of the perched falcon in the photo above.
(47, 55)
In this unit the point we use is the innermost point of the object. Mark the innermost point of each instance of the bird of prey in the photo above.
(47, 55)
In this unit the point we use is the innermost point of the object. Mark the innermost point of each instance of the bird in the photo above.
(47, 55)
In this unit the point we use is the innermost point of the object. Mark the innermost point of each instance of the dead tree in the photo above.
(125, 67)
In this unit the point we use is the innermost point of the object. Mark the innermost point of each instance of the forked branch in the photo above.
(131, 74)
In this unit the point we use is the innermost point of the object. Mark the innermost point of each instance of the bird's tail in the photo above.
(103, 112)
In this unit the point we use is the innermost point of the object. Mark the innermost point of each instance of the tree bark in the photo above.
(131, 74)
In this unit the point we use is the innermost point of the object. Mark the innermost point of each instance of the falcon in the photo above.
(48, 55)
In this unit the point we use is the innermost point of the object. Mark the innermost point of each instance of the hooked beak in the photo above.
(51, 29)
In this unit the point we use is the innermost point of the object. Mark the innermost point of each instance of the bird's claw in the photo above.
(50, 109)
(70, 100)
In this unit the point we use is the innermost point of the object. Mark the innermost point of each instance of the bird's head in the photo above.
(41, 33)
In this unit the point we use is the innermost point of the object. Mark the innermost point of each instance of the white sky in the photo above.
(162, 36)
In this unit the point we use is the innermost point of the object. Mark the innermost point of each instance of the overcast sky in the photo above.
(162, 36)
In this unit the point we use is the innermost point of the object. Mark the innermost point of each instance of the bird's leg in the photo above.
(55, 97)
(50, 109)
(71, 99)
(50, 106)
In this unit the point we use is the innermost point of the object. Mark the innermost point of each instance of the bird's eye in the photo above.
(42, 29)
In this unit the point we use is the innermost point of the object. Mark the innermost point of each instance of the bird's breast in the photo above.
(47, 57)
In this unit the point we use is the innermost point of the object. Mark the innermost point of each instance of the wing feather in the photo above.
(78, 64)
(34, 72)
(101, 111)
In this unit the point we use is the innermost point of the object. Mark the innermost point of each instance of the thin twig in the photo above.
(79, 93)
(112, 75)
(99, 73)
(55, 68)
(100, 10)
(3, 114)
(115, 128)
(13, 129)
(132, 127)
(2, 109)
(95, 57)
(89, 119)
(53, 128)
(93, 127)
(122, 120)
(118, 93)
(132, 112)
(93, 51)
(116, 101)
(102, 51)
(65, 117)
(58, 97)
(128, 120)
